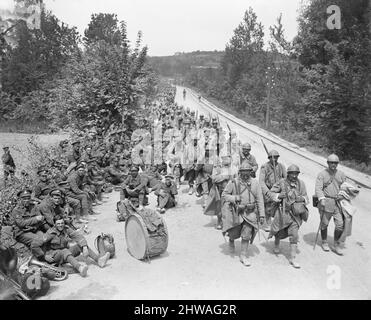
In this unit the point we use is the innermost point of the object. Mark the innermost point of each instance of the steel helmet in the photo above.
(293, 168)
(245, 167)
(246, 146)
(333, 158)
(273, 153)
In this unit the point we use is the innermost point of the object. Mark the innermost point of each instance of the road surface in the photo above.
(197, 264)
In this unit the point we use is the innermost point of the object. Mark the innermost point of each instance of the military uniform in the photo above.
(242, 220)
(73, 156)
(55, 245)
(327, 189)
(243, 206)
(250, 159)
(134, 187)
(267, 177)
(291, 197)
(166, 195)
(42, 189)
(286, 223)
(49, 210)
(75, 191)
(26, 224)
(8, 163)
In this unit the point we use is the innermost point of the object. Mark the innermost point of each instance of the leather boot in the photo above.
(102, 261)
(81, 268)
(276, 249)
(337, 248)
(324, 243)
(243, 255)
(292, 260)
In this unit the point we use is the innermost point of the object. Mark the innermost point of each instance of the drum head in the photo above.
(136, 236)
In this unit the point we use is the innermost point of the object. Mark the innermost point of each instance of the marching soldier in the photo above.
(166, 192)
(55, 247)
(27, 223)
(327, 189)
(270, 173)
(249, 158)
(190, 164)
(291, 196)
(243, 210)
(220, 178)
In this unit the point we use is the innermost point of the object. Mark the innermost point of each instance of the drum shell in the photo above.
(155, 242)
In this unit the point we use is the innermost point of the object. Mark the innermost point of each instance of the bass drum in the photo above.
(145, 242)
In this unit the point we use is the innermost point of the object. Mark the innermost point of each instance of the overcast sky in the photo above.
(171, 26)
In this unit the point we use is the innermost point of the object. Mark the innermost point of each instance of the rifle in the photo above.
(319, 227)
(230, 139)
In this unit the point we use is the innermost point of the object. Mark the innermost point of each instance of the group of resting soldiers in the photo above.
(46, 217)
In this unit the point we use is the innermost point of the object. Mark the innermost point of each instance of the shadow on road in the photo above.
(253, 249)
(310, 238)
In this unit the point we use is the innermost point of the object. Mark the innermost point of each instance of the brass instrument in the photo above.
(60, 274)
(19, 294)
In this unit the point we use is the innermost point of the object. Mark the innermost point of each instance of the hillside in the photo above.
(181, 63)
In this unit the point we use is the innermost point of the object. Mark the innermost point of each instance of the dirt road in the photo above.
(197, 265)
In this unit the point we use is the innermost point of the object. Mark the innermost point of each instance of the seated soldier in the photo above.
(152, 175)
(87, 154)
(71, 205)
(76, 184)
(114, 173)
(27, 223)
(166, 192)
(50, 207)
(134, 186)
(94, 179)
(56, 247)
(44, 185)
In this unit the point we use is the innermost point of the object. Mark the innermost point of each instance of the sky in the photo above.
(171, 26)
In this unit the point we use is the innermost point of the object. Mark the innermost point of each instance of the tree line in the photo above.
(55, 76)
(316, 87)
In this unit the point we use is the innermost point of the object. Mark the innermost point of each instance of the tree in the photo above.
(39, 54)
(104, 27)
(106, 77)
(338, 75)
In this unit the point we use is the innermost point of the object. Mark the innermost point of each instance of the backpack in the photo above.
(105, 243)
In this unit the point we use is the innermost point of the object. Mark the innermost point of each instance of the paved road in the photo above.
(197, 265)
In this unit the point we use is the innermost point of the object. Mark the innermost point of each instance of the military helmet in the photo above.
(333, 158)
(273, 153)
(293, 168)
(245, 167)
(246, 146)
